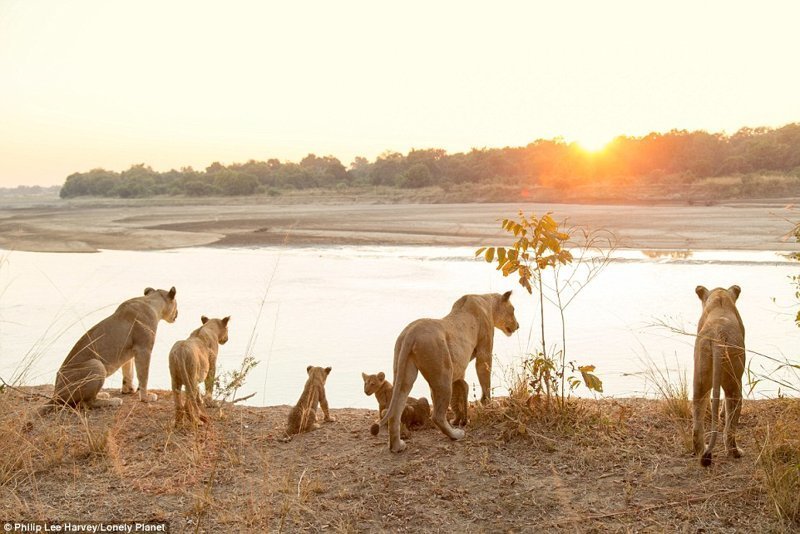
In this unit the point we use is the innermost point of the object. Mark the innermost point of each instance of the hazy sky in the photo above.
(87, 84)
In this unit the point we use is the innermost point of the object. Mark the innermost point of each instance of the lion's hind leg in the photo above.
(441, 384)
(192, 406)
(81, 384)
(733, 407)
(179, 406)
(397, 406)
(459, 402)
(441, 391)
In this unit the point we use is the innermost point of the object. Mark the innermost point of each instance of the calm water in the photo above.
(345, 306)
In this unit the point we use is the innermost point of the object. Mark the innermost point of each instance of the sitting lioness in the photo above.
(194, 360)
(440, 349)
(718, 361)
(303, 416)
(129, 333)
(416, 413)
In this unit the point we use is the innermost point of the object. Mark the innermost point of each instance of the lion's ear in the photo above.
(506, 295)
(735, 291)
(203, 319)
(148, 290)
(308, 369)
(172, 292)
(364, 376)
(381, 376)
(327, 371)
(702, 292)
(225, 320)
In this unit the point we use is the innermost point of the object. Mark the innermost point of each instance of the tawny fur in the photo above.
(303, 417)
(125, 337)
(192, 361)
(719, 358)
(441, 349)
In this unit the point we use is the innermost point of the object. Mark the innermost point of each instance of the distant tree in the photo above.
(416, 176)
(234, 183)
(675, 158)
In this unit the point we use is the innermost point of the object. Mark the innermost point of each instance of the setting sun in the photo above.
(594, 142)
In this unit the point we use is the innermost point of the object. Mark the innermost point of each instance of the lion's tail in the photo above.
(184, 377)
(718, 346)
(400, 363)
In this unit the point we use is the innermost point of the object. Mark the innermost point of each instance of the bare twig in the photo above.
(241, 399)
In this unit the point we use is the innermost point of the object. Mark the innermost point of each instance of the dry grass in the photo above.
(611, 466)
(780, 461)
(672, 388)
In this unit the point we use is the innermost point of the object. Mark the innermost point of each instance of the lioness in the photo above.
(441, 349)
(718, 361)
(303, 416)
(129, 333)
(416, 413)
(194, 360)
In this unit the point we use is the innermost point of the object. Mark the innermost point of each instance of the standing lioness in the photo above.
(194, 360)
(718, 361)
(129, 333)
(441, 349)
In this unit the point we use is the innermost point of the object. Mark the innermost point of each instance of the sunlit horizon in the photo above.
(93, 84)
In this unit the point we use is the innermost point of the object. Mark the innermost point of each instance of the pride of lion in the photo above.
(439, 349)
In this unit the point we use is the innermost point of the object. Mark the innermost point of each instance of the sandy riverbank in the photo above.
(90, 225)
(625, 467)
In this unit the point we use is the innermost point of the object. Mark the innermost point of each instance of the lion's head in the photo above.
(318, 375)
(372, 383)
(718, 296)
(220, 325)
(503, 313)
(170, 311)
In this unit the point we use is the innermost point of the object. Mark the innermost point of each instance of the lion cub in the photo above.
(417, 412)
(303, 416)
(194, 360)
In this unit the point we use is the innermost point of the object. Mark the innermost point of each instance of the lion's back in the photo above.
(422, 333)
(190, 355)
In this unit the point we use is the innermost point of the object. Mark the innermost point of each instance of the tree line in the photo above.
(652, 159)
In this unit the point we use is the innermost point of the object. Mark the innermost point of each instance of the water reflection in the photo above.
(671, 254)
(344, 307)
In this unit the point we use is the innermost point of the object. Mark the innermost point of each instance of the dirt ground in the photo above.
(154, 224)
(624, 468)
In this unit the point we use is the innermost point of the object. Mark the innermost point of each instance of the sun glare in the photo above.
(593, 143)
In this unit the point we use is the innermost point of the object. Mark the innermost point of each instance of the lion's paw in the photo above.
(148, 397)
(330, 419)
(115, 401)
(399, 447)
(735, 452)
(457, 434)
(103, 395)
